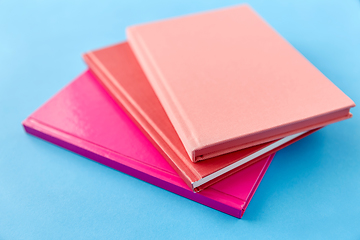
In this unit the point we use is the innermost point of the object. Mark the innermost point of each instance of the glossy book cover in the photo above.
(118, 70)
(228, 81)
(84, 119)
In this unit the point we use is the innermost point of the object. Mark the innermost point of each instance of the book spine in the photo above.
(176, 114)
(188, 174)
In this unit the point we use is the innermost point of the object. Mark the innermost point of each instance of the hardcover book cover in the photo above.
(119, 72)
(227, 81)
(84, 119)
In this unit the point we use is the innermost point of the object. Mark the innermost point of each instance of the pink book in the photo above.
(228, 81)
(84, 119)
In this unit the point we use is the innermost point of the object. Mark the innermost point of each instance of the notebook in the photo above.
(84, 119)
(228, 81)
(119, 72)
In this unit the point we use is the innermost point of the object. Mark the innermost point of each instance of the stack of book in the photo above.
(197, 105)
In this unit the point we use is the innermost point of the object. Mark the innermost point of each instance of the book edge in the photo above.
(211, 199)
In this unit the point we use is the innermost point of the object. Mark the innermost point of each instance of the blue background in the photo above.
(311, 190)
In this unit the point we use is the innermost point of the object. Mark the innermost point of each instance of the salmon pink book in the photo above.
(84, 119)
(228, 81)
(118, 70)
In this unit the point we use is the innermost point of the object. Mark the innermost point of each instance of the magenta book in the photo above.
(84, 119)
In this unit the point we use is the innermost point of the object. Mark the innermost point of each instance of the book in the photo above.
(118, 70)
(84, 119)
(228, 81)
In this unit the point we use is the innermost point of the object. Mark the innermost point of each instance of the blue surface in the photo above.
(311, 190)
